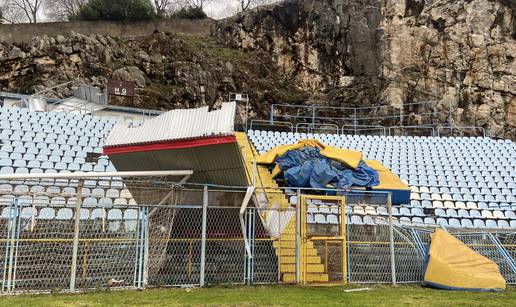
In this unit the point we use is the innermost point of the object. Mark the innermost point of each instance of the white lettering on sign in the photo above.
(120, 91)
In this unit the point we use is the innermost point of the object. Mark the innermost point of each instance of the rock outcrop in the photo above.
(391, 54)
(169, 70)
(368, 52)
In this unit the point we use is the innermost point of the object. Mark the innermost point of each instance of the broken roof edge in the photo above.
(179, 124)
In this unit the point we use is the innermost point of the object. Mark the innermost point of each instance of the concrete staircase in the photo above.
(285, 246)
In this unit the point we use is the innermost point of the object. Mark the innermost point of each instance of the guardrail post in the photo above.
(203, 236)
(391, 240)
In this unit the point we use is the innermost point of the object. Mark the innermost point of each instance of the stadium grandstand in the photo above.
(93, 195)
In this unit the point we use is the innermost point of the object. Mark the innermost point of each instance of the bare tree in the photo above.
(22, 10)
(11, 13)
(61, 10)
(201, 4)
(163, 7)
(246, 5)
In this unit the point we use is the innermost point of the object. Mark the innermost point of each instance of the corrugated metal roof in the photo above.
(215, 164)
(176, 125)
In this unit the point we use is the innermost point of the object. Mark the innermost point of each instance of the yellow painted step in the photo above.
(310, 277)
(288, 237)
(285, 260)
(290, 244)
(310, 268)
(291, 252)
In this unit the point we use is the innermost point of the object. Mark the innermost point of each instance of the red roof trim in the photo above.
(170, 145)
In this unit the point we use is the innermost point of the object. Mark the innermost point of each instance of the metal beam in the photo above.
(96, 175)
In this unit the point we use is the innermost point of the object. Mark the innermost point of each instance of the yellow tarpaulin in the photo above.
(388, 180)
(348, 157)
(453, 265)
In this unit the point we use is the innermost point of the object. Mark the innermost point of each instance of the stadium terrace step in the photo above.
(309, 277)
(286, 245)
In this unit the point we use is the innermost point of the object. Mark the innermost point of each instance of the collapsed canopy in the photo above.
(341, 167)
(308, 167)
(453, 265)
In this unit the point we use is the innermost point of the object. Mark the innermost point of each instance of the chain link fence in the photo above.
(150, 232)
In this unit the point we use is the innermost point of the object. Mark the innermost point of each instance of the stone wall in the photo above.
(25, 32)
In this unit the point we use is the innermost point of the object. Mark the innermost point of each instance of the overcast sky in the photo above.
(221, 9)
(217, 10)
(224, 8)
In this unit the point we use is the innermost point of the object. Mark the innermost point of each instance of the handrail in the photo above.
(378, 114)
(422, 127)
(460, 128)
(312, 126)
(268, 123)
(357, 128)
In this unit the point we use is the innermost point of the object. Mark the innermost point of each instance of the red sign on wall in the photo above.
(121, 88)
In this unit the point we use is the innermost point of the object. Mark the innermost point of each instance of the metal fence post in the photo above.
(355, 121)
(146, 239)
(313, 118)
(391, 240)
(203, 238)
(271, 118)
(298, 237)
(75, 249)
(12, 238)
(141, 272)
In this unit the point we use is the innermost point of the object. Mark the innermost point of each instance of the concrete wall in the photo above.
(25, 32)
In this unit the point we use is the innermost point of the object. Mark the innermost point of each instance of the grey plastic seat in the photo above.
(356, 220)
(466, 223)
(491, 224)
(130, 220)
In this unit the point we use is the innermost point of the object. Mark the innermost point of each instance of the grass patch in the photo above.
(271, 296)
(213, 49)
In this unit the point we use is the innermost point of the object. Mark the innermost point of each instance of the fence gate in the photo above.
(323, 240)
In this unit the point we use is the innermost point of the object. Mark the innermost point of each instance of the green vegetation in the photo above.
(190, 13)
(212, 48)
(272, 295)
(117, 10)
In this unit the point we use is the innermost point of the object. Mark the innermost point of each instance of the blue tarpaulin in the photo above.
(306, 167)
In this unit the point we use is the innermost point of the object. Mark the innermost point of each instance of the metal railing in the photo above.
(380, 117)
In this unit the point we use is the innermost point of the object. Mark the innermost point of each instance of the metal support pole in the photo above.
(76, 235)
(391, 240)
(141, 247)
(146, 239)
(450, 115)
(313, 117)
(401, 114)
(355, 120)
(271, 117)
(298, 237)
(246, 114)
(13, 219)
(203, 239)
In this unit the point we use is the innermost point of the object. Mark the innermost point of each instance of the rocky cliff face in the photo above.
(170, 71)
(344, 53)
(392, 52)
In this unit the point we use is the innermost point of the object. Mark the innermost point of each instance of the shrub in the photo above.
(117, 10)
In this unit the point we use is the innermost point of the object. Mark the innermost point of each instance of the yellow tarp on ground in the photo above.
(453, 265)
(347, 157)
